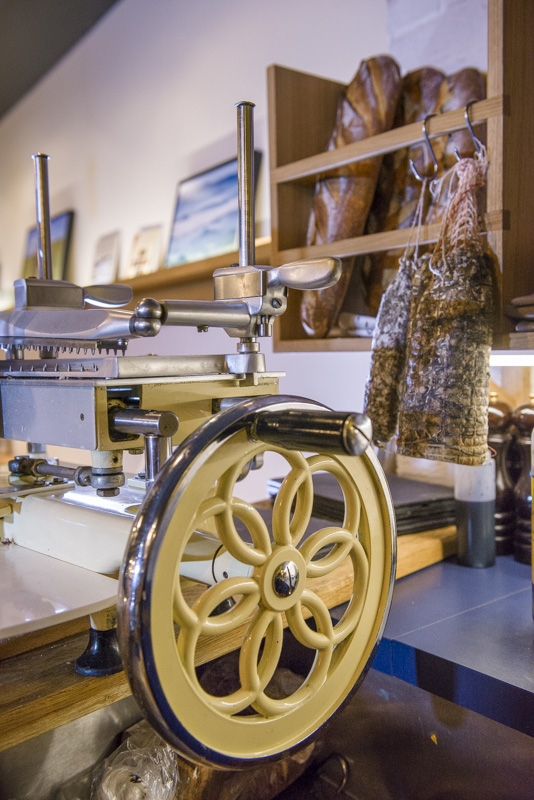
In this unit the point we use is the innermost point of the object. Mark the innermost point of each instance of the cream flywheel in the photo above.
(268, 602)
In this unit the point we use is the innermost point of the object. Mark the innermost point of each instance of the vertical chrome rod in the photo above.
(157, 451)
(245, 175)
(44, 247)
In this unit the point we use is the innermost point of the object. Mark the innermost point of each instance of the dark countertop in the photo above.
(466, 635)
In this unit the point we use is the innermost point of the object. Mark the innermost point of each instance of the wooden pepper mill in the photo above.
(501, 440)
(523, 419)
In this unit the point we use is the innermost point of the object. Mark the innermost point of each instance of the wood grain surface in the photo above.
(41, 691)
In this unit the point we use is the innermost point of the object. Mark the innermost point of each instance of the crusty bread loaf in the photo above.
(342, 201)
(398, 190)
(463, 87)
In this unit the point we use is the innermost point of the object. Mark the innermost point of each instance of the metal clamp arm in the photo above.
(247, 298)
(150, 315)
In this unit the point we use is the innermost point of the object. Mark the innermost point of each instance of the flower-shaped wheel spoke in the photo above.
(207, 624)
(255, 671)
(320, 640)
(351, 497)
(351, 617)
(214, 625)
(223, 510)
(297, 487)
(320, 554)
(337, 544)
(323, 637)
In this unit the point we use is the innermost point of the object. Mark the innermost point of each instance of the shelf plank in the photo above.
(387, 142)
(360, 344)
(377, 242)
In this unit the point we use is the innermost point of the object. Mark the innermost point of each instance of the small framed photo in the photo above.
(206, 217)
(60, 237)
(145, 252)
(6, 296)
(107, 255)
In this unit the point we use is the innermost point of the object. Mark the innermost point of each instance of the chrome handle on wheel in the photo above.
(321, 431)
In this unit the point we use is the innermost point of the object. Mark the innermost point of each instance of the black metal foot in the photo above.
(101, 656)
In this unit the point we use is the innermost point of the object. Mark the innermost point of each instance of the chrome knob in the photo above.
(286, 579)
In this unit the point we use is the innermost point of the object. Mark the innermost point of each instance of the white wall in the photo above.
(446, 34)
(147, 99)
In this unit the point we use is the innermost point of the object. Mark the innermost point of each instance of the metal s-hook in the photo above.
(431, 151)
(476, 141)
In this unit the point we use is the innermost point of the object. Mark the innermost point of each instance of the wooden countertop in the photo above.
(40, 689)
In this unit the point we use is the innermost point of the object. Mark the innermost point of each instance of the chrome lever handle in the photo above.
(316, 273)
(108, 295)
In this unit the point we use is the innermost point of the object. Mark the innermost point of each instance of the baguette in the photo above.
(342, 201)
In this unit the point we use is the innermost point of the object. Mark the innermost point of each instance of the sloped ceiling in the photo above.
(34, 35)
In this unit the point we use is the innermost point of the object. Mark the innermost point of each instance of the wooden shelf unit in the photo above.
(302, 113)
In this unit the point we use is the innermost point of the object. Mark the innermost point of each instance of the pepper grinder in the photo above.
(523, 419)
(474, 496)
(500, 439)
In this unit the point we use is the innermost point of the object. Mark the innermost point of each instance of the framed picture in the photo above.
(107, 254)
(145, 252)
(60, 236)
(206, 217)
(6, 295)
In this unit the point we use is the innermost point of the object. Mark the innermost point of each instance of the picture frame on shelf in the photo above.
(206, 221)
(60, 240)
(145, 252)
(7, 298)
(107, 256)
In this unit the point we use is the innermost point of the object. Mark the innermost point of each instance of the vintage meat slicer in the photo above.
(198, 567)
